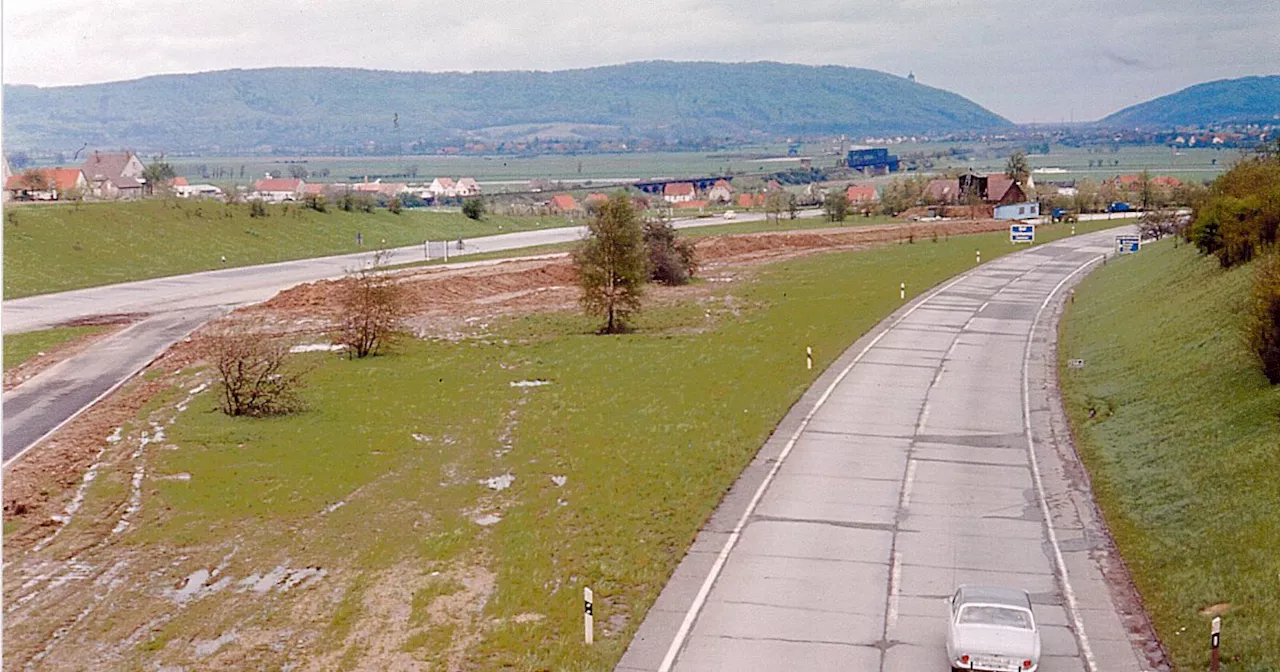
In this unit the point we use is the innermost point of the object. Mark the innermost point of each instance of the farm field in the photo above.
(54, 248)
(1182, 448)
(437, 505)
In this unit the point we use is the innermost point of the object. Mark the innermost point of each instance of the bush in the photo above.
(672, 261)
(254, 371)
(1241, 214)
(373, 309)
(257, 209)
(395, 206)
(473, 208)
(316, 202)
(1264, 317)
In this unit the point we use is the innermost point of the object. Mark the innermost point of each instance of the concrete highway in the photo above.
(175, 306)
(932, 454)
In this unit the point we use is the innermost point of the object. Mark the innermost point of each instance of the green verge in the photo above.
(1183, 451)
(650, 430)
(19, 348)
(54, 248)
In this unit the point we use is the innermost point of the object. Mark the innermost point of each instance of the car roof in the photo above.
(993, 595)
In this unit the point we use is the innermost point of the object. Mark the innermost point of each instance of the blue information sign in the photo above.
(1022, 233)
(1128, 244)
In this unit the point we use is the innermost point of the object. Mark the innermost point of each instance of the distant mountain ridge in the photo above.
(342, 107)
(1243, 100)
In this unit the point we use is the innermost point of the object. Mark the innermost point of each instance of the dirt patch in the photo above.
(62, 351)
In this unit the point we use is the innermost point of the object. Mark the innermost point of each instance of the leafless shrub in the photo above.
(1157, 224)
(255, 371)
(373, 309)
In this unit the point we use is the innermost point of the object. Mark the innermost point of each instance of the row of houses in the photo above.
(282, 189)
(104, 176)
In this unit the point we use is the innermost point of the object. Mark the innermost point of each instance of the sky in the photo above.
(1029, 60)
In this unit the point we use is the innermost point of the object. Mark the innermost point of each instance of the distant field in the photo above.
(1188, 164)
(1183, 449)
(61, 247)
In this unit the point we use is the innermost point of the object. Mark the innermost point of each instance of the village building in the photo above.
(563, 203)
(720, 192)
(46, 184)
(861, 195)
(443, 187)
(114, 175)
(278, 189)
(467, 186)
(678, 192)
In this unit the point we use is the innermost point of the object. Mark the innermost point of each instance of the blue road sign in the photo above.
(1022, 233)
(1128, 244)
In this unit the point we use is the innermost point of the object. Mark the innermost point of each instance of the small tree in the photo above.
(34, 180)
(1157, 224)
(315, 202)
(473, 208)
(298, 172)
(672, 261)
(774, 203)
(255, 371)
(612, 265)
(157, 176)
(257, 208)
(373, 309)
(793, 206)
(1017, 168)
(395, 206)
(836, 206)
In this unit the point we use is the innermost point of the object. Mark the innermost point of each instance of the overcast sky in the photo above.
(1029, 60)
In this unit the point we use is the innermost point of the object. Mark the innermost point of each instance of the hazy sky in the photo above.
(1029, 60)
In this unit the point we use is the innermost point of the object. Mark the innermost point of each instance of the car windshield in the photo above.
(983, 614)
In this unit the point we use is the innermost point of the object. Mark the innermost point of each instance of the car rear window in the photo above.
(981, 614)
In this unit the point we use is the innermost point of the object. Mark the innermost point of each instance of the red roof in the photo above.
(278, 184)
(178, 182)
(58, 178)
(596, 197)
(943, 190)
(744, 200)
(861, 194)
(722, 184)
(1166, 181)
(998, 187)
(563, 202)
(678, 189)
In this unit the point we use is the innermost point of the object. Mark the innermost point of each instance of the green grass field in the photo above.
(650, 429)
(61, 247)
(1183, 451)
(18, 348)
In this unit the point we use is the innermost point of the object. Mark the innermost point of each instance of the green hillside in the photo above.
(1248, 99)
(1184, 449)
(337, 108)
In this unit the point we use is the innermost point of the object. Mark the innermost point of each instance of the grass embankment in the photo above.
(649, 430)
(1185, 449)
(18, 348)
(55, 248)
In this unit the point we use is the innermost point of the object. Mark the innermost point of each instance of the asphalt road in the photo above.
(40, 405)
(926, 457)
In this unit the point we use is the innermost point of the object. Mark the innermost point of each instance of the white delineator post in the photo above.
(446, 251)
(1215, 633)
(588, 619)
(808, 358)
(902, 291)
(977, 256)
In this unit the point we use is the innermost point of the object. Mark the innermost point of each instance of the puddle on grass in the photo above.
(487, 519)
(530, 383)
(560, 480)
(317, 347)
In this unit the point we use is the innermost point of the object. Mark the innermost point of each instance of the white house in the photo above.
(278, 189)
(468, 186)
(678, 192)
(720, 192)
(443, 187)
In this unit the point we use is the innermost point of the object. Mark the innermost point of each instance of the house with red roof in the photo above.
(563, 203)
(278, 189)
(467, 186)
(46, 184)
(861, 195)
(678, 192)
(720, 192)
(443, 187)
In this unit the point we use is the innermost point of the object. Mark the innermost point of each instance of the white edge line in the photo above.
(692, 614)
(151, 360)
(1072, 608)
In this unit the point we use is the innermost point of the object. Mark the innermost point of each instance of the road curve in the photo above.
(926, 457)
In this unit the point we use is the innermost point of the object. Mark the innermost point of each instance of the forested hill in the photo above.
(1248, 99)
(321, 108)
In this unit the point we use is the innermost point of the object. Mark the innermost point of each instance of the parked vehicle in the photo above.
(729, 214)
(992, 629)
(1119, 206)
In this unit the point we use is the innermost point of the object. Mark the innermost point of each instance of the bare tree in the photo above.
(373, 309)
(1157, 224)
(255, 371)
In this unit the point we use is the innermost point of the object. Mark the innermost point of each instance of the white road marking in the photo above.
(895, 579)
(700, 599)
(906, 486)
(1073, 610)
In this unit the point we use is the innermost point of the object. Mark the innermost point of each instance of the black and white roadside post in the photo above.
(808, 358)
(902, 291)
(977, 257)
(1215, 633)
(587, 618)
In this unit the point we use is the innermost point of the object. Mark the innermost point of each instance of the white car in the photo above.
(992, 629)
(729, 214)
